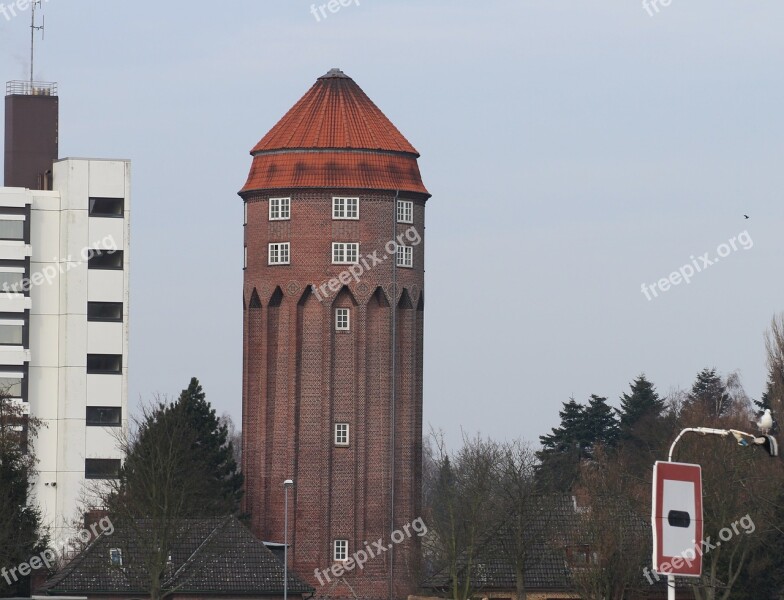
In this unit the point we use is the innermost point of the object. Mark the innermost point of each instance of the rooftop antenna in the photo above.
(33, 29)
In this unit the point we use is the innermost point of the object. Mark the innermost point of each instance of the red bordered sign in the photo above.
(676, 518)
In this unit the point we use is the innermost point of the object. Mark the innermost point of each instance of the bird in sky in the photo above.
(747, 216)
(766, 422)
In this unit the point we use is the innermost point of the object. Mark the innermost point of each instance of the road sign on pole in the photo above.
(676, 519)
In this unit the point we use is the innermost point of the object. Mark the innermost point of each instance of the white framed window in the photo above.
(279, 253)
(340, 552)
(345, 253)
(405, 211)
(245, 258)
(342, 319)
(341, 434)
(345, 208)
(245, 213)
(405, 256)
(279, 209)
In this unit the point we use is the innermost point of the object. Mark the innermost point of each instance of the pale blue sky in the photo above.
(574, 150)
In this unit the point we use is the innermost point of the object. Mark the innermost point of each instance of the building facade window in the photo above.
(11, 386)
(340, 550)
(104, 416)
(342, 319)
(279, 253)
(105, 259)
(341, 434)
(12, 281)
(245, 213)
(279, 209)
(105, 364)
(405, 211)
(11, 333)
(12, 227)
(101, 468)
(405, 256)
(345, 253)
(110, 312)
(345, 208)
(107, 207)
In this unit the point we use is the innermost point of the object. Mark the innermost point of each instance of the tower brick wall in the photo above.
(301, 375)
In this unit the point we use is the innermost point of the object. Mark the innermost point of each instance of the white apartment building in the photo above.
(64, 257)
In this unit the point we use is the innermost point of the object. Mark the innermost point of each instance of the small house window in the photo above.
(279, 253)
(341, 434)
(341, 550)
(405, 211)
(342, 319)
(115, 557)
(345, 208)
(279, 209)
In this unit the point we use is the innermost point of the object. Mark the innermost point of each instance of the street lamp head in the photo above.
(288, 482)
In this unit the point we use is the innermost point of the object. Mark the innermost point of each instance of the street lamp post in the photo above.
(744, 439)
(286, 485)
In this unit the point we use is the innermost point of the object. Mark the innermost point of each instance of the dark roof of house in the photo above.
(551, 526)
(211, 557)
(554, 529)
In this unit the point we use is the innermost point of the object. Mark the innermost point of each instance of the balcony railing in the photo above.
(30, 88)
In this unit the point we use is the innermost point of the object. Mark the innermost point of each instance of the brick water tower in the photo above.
(333, 325)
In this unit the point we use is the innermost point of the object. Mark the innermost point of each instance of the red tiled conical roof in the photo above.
(335, 113)
(335, 137)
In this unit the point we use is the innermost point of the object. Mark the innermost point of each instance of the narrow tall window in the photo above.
(279, 253)
(341, 434)
(345, 253)
(405, 211)
(115, 557)
(342, 319)
(341, 550)
(405, 256)
(279, 209)
(345, 208)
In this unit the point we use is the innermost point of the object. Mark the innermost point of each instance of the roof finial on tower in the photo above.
(335, 74)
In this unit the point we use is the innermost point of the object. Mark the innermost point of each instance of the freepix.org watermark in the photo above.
(654, 5)
(9, 11)
(702, 548)
(49, 557)
(333, 6)
(698, 265)
(360, 557)
(366, 263)
(48, 273)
